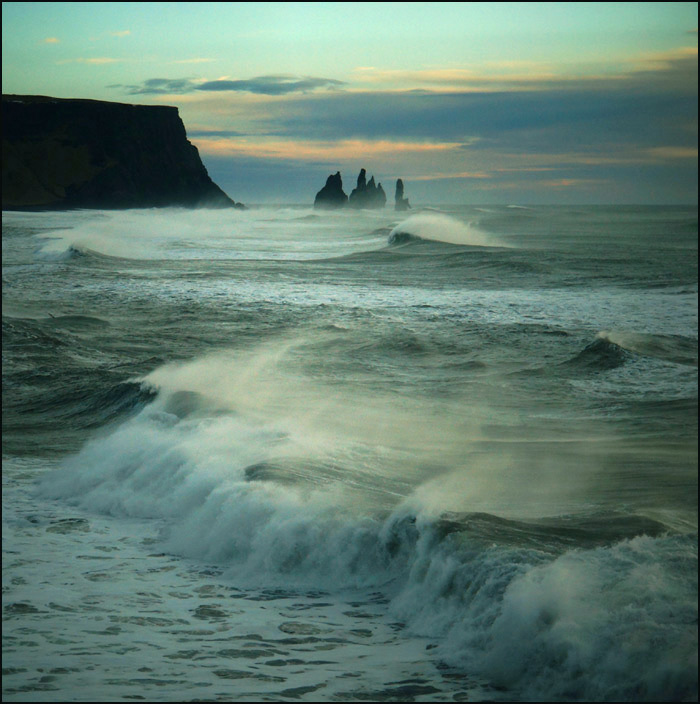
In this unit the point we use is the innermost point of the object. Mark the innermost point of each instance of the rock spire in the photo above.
(367, 194)
(400, 203)
(332, 194)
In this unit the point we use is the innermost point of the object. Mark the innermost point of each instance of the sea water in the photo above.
(282, 454)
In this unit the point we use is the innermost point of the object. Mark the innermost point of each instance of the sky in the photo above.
(468, 103)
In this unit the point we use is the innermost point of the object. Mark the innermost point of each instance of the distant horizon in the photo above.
(468, 103)
(389, 205)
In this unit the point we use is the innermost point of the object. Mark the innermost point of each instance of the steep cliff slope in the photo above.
(59, 153)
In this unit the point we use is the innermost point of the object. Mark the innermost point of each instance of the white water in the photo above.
(362, 478)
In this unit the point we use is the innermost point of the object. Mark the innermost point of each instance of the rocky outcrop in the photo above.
(366, 194)
(332, 194)
(400, 203)
(63, 153)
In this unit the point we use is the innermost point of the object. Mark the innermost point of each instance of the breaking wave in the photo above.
(441, 228)
(547, 610)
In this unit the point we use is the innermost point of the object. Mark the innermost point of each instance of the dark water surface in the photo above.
(274, 455)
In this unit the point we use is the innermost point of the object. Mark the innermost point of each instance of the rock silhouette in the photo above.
(400, 203)
(332, 194)
(367, 194)
(64, 153)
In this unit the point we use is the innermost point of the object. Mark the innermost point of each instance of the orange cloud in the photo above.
(571, 182)
(523, 75)
(662, 60)
(461, 174)
(673, 152)
(95, 60)
(316, 150)
(493, 76)
(526, 71)
(626, 156)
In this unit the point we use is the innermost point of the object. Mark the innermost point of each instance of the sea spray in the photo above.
(545, 625)
(587, 625)
(442, 228)
(211, 235)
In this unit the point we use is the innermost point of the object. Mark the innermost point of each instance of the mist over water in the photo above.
(278, 455)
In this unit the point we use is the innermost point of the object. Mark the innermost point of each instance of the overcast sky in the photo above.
(466, 102)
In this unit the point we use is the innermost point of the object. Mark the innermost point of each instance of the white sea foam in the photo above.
(576, 627)
(172, 233)
(443, 228)
(590, 625)
(333, 461)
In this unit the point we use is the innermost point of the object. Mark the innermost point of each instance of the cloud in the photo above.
(160, 86)
(652, 107)
(95, 60)
(118, 34)
(670, 153)
(320, 151)
(682, 59)
(193, 61)
(213, 134)
(265, 85)
(462, 175)
(498, 76)
(272, 85)
(51, 40)
(513, 75)
(515, 121)
(571, 182)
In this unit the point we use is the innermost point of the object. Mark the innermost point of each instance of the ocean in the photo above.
(293, 455)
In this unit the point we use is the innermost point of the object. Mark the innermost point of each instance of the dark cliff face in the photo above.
(59, 154)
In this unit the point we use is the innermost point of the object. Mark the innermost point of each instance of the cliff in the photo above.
(62, 153)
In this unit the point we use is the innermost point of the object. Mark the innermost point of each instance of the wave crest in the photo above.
(670, 348)
(439, 227)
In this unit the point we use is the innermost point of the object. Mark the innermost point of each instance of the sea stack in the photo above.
(71, 153)
(332, 194)
(400, 203)
(366, 194)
